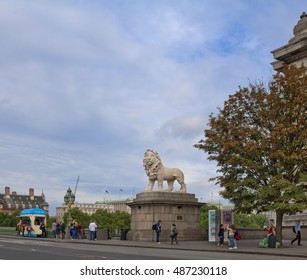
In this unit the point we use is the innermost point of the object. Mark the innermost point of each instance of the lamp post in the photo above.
(69, 200)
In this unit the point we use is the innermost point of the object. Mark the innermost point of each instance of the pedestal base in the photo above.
(148, 208)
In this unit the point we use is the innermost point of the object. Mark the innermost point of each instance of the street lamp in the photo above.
(69, 200)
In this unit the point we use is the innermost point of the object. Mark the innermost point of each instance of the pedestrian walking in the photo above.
(297, 230)
(174, 234)
(157, 228)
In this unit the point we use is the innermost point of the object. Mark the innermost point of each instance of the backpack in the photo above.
(153, 227)
(237, 236)
(293, 229)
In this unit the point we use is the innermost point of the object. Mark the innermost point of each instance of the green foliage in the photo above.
(78, 215)
(204, 217)
(49, 221)
(243, 220)
(9, 219)
(113, 221)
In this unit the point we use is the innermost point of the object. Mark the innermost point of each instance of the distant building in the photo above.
(10, 202)
(90, 208)
(119, 205)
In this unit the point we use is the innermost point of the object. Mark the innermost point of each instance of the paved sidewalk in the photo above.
(250, 246)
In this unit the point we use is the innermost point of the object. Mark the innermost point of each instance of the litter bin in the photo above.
(272, 241)
(123, 234)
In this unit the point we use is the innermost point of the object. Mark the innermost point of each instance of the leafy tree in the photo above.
(204, 218)
(121, 220)
(253, 220)
(113, 221)
(49, 220)
(9, 219)
(103, 218)
(259, 141)
(76, 214)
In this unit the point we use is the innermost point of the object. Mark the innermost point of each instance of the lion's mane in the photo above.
(152, 162)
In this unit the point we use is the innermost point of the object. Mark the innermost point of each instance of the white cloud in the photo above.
(86, 87)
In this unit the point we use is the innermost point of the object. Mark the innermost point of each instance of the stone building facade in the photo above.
(10, 202)
(295, 52)
(90, 208)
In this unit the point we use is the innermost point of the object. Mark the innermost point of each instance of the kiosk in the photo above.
(32, 219)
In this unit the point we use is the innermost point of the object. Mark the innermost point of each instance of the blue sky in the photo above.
(87, 86)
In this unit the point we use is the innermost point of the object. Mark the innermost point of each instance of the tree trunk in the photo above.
(279, 218)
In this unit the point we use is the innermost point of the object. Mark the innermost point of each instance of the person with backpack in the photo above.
(297, 231)
(157, 228)
(173, 234)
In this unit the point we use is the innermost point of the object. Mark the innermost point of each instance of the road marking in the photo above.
(9, 241)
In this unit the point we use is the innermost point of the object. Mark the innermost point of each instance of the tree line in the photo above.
(122, 220)
(113, 221)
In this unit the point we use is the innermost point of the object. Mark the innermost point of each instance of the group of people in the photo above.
(58, 230)
(157, 228)
(232, 235)
(76, 231)
(22, 226)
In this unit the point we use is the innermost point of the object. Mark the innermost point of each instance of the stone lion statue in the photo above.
(157, 172)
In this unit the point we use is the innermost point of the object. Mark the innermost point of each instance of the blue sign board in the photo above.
(33, 211)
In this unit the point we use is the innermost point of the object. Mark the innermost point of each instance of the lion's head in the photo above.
(152, 163)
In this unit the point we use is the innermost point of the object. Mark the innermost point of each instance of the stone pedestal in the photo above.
(148, 208)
